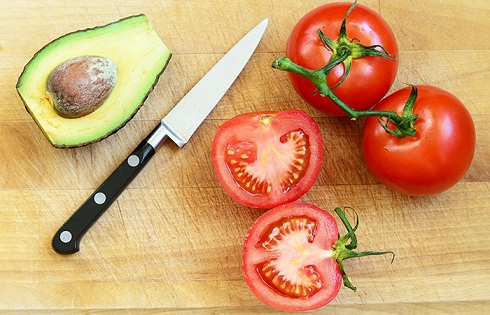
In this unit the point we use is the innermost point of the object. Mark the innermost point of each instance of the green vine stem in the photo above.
(343, 51)
(343, 247)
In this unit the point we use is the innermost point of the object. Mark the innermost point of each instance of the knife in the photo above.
(178, 125)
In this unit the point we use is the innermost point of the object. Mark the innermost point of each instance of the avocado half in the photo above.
(140, 56)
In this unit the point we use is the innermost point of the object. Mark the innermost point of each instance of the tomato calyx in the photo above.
(344, 50)
(344, 247)
(406, 125)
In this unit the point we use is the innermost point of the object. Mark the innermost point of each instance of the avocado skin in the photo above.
(63, 135)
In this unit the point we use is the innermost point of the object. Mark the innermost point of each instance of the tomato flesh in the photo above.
(287, 257)
(306, 285)
(266, 159)
(250, 165)
(288, 240)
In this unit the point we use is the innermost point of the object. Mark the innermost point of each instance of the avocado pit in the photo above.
(79, 86)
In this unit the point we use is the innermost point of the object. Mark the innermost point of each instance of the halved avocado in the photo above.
(140, 57)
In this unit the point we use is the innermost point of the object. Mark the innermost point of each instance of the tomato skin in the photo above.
(260, 137)
(370, 78)
(433, 160)
(325, 237)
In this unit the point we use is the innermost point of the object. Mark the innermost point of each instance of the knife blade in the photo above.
(178, 125)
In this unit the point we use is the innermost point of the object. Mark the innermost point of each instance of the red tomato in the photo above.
(433, 160)
(370, 78)
(265, 159)
(287, 258)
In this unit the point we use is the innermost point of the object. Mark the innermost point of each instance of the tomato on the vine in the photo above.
(370, 77)
(293, 256)
(436, 157)
(265, 159)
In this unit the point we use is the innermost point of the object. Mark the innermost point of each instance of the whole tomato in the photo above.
(436, 157)
(370, 77)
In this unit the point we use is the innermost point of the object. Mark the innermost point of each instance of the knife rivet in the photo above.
(65, 237)
(99, 198)
(133, 160)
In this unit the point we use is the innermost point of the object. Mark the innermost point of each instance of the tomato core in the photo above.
(290, 272)
(250, 166)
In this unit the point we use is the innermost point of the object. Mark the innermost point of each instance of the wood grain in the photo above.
(171, 243)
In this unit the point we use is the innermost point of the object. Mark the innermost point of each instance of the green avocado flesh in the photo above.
(140, 57)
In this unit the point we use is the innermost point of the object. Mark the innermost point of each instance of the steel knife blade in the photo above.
(178, 125)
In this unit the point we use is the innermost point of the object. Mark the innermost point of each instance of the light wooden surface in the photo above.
(172, 241)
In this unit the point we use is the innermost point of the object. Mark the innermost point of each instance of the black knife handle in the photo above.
(67, 239)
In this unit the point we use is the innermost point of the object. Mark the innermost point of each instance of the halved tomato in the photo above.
(293, 256)
(265, 159)
(287, 260)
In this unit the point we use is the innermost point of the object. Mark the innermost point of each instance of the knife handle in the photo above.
(67, 238)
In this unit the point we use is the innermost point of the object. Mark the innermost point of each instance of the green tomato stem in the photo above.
(405, 124)
(343, 247)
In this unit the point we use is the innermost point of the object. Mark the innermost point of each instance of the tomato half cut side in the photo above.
(287, 257)
(264, 159)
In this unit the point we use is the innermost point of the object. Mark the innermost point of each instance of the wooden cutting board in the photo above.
(171, 243)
